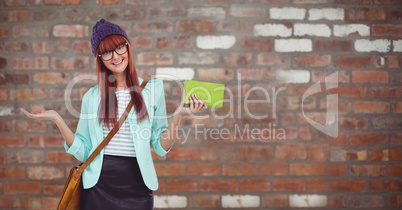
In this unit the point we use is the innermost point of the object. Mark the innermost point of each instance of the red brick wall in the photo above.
(254, 47)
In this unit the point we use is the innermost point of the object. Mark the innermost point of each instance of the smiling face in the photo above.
(113, 52)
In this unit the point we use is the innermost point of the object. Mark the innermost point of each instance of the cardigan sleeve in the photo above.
(81, 145)
(159, 122)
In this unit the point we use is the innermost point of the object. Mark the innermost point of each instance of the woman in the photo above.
(123, 175)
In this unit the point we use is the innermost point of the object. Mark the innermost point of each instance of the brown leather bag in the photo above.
(70, 200)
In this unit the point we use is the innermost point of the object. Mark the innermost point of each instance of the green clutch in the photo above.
(211, 93)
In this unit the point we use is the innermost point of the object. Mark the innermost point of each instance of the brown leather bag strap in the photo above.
(114, 130)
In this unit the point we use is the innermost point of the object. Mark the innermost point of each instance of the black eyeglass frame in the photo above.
(114, 50)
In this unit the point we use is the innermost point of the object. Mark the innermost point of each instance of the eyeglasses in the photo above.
(120, 50)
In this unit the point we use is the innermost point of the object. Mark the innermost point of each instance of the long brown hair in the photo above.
(107, 84)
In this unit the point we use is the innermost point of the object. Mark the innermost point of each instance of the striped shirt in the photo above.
(122, 143)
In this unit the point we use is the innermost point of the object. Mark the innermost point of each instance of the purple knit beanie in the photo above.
(103, 29)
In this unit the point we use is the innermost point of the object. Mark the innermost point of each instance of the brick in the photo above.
(315, 169)
(322, 185)
(385, 92)
(256, 74)
(371, 201)
(52, 78)
(379, 45)
(240, 201)
(204, 201)
(124, 14)
(171, 201)
(14, 16)
(371, 107)
(351, 29)
(289, 185)
(319, 30)
(241, 11)
(365, 14)
(60, 157)
(45, 172)
(61, 2)
(3, 32)
(8, 141)
(300, 201)
(45, 141)
(218, 74)
(317, 153)
(175, 73)
(215, 42)
(201, 58)
(53, 189)
(154, 58)
(256, 44)
(218, 185)
(81, 47)
(395, 170)
(30, 31)
(329, 45)
(377, 185)
(272, 30)
(170, 169)
(146, 42)
(254, 185)
(394, 154)
(270, 59)
(11, 3)
(27, 94)
(389, 61)
(30, 63)
(108, 2)
(275, 201)
(184, 154)
(378, 155)
(353, 123)
(181, 185)
(14, 188)
(312, 60)
(326, 13)
(236, 59)
(387, 2)
(368, 170)
(396, 15)
(216, 13)
(290, 152)
(239, 26)
(16, 79)
(353, 62)
(153, 27)
(74, 31)
(195, 26)
(169, 12)
(51, 46)
(397, 45)
(274, 169)
(396, 139)
(30, 156)
(203, 169)
(358, 2)
(3, 95)
(175, 42)
(397, 106)
(11, 172)
(74, 63)
(350, 91)
(386, 30)
(293, 76)
(14, 46)
(240, 170)
(368, 139)
(387, 123)
(310, 1)
(293, 45)
(287, 13)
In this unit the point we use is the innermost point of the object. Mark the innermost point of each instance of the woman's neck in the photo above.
(120, 81)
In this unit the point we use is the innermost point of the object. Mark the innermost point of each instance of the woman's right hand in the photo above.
(42, 115)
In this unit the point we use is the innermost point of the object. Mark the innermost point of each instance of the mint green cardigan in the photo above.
(89, 133)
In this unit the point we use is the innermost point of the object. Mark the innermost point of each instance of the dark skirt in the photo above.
(120, 187)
